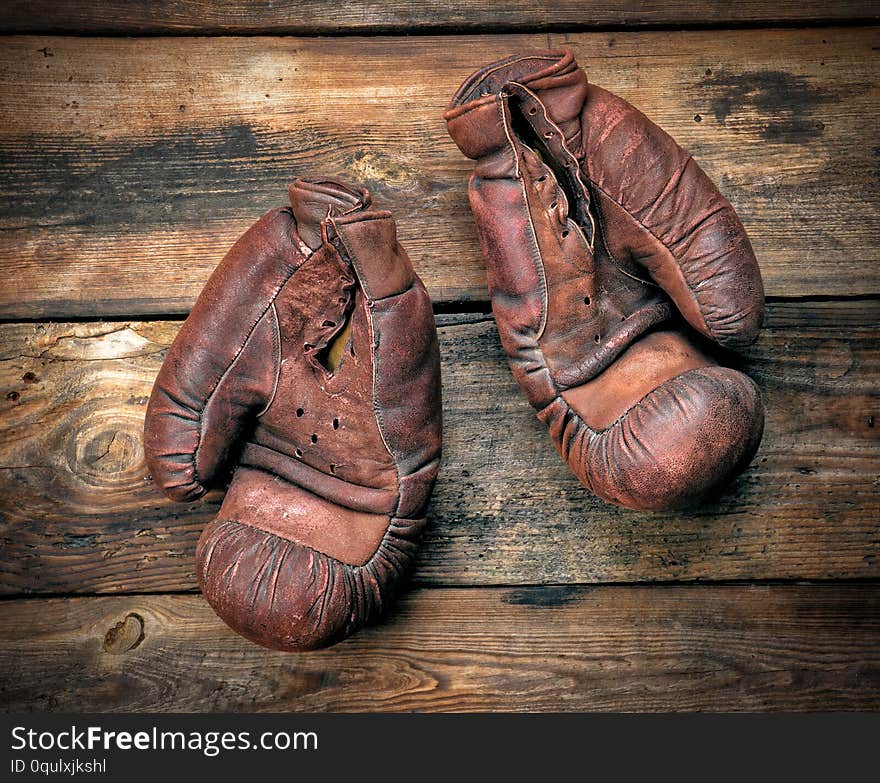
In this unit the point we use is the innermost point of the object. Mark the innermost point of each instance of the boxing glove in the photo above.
(613, 263)
(309, 370)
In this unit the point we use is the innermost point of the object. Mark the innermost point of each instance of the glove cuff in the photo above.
(314, 200)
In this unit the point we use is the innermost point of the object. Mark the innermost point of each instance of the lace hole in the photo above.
(565, 233)
(549, 135)
(299, 453)
(586, 300)
(596, 338)
(533, 110)
(554, 205)
(542, 178)
(299, 413)
(335, 424)
(315, 437)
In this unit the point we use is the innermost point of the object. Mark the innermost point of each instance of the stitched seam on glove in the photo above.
(600, 219)
(535, 247)
(394, 524)
(709, 327)
(225, 373)
(394, 296)
(374, 351)
(374, 345)
(302, 475)
(643, 401)
(276, 358)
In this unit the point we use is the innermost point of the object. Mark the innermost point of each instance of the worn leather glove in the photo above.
(608, 250)
(309, 366)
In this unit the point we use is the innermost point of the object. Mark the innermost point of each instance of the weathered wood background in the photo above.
(127, 160)
(129, 164)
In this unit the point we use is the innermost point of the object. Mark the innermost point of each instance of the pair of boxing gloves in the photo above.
(308, 370)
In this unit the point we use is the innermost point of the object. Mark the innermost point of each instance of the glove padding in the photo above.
(608, 250)
(309, 365)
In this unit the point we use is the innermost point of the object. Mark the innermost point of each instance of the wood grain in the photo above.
(294, 17)
(128, 166)
(529, 649)
(79, 513)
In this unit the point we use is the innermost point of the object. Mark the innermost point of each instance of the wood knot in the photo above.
(104, 448)
(127, 634)
(112, 451)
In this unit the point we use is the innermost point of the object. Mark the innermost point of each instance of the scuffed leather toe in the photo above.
(286, 596)
(674, 448)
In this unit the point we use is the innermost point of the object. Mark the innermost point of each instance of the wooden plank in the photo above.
(322, 17)
(79, 515)
(128, 166)
(530, 649)
(833, 314)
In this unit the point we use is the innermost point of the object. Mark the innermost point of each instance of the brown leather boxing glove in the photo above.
(309, 365)
(608, 250)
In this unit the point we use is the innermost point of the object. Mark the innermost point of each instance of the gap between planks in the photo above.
(407, 17)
